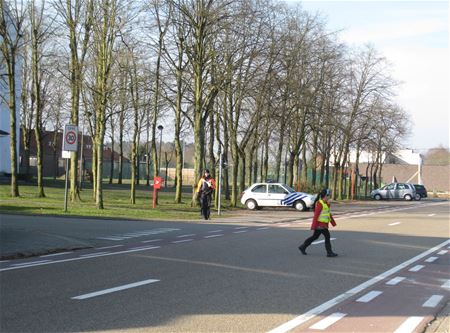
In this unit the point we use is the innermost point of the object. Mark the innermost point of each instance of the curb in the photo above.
(441, 323)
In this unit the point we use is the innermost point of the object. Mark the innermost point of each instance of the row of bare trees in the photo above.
(261, 83)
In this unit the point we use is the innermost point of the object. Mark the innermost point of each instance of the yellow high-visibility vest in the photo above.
(325, 214)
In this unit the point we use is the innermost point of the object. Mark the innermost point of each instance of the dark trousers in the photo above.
(316, 235)
(205, 204)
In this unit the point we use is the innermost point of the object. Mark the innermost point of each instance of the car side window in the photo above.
(277, 189)
(402, 187)
(390, 187)
(259, 189)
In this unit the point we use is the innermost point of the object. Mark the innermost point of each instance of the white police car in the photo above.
(275, 195)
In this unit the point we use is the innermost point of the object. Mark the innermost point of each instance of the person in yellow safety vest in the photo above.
(206, 185)
(322, 218)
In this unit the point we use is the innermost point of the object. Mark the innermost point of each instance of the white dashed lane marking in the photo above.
(431, 259)
(442, 252)
(394, 281)
(152, 240)
(446, 285)
(112, 290)
(369, 296)
(433, 301)
(187, 235)
(416, 268)
(213, 231)
(182, 241)
(212, 236)
(322, 241)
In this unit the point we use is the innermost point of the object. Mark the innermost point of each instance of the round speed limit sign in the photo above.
(70, 138)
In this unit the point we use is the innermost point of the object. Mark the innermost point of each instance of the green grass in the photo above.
(116, 200)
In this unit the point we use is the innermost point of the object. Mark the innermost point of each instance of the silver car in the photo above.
(404, 191)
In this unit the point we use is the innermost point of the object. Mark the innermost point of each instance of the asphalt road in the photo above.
(243, 274)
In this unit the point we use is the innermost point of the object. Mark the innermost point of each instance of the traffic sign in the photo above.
(70, 137)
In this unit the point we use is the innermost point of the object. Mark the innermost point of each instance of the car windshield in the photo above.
(290, 189)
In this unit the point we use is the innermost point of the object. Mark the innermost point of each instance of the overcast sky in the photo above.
(413, 36)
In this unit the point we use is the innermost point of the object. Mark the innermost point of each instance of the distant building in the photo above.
(5, 119)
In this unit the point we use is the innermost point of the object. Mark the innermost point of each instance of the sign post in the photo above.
(70, 143)
(156, 186)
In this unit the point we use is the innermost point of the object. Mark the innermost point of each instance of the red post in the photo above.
(156, 186)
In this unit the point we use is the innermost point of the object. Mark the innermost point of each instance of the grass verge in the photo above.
(116, 203)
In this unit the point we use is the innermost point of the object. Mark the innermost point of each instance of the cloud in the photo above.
(385, 31)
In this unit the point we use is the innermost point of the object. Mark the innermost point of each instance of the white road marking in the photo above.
(395, 280)
(369, 296)
(151, 241)
(328, 321)
(442, 252)
(211, 236)
(409, 325)
(446, 285)
(112, 290)
(395, 223)
(187, 235)
(112, 238)
(431, 259)
(287, 326)
(240, 228)
(433, 301)
(239, 232)
(2, 261)
(49, 262)
(54, 254)
(30, 263)
(263, 228)
(93, 254)
(416, 268)
(322, 241)
(210, 232)
(108, 247)
(431, 214)
(182, 241)
(143, 248)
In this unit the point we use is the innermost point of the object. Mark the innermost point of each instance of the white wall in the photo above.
(5, 154)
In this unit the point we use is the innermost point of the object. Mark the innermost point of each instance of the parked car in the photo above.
(405, 191)
(421, 192)
(261, 195)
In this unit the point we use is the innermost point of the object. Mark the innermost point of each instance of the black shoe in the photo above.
(302, 250)
(332, 254)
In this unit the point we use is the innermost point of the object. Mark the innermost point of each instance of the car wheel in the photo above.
(418, 197)
(300, 205)
(377, 197)
(251, 204)
(408, 197)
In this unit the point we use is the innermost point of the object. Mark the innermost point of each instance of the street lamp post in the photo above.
(160, 127)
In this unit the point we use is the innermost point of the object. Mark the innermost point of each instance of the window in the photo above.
(402, 186)
(389, 187)
(277, 189)
(259, 189)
